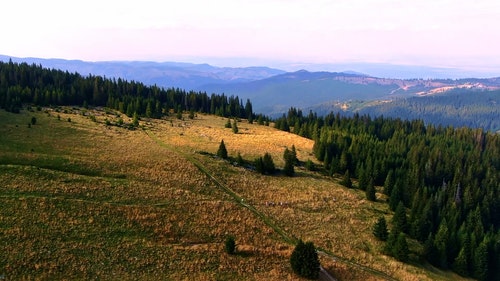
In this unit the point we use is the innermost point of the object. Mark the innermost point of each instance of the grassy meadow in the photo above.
(84, 199)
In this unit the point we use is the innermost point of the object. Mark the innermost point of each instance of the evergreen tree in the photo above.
(222, 151)
(289, 162)
(461, 263)
(304, 260)
(294, 155)
(389, 182)
(230, 245)
(228, 123)
(239, 159)
(268, 162)
(401, 250)
(363, 179)
(135, 119)
(346, 181)
(391, 243)
(481, 262)
(399, 220)
(380, 229)
(441, 243)
(370, 191)
(259, 165)
(430, 252)
(235, 127)
(396, 196)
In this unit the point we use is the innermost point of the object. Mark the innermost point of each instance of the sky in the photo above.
(438, 33)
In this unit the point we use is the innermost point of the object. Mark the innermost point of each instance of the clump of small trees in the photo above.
(265, 164)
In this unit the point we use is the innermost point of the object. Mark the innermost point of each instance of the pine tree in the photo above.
(289, 162)
(230, 245)
(222, 151)
(346, 181)
(399, 220)
(389, 182)
(363, 179)
(370, 191)
(441, 243)
(235, 127)
(461, 263)
(481, 262)
(294, 155)
(304, 260)
(380, 229)
(401, 250)
(268, 162)
(135, 119)
(259, 165)
(239, 159)
(430, 252)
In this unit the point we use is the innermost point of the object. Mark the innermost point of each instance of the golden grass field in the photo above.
(83, 200)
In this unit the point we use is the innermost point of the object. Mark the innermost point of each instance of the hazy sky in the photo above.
(421, 32)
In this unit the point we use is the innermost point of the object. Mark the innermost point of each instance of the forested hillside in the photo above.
(23, 83)
(458, 108)
(447, 178)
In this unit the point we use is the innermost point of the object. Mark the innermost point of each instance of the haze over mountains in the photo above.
(458, 102)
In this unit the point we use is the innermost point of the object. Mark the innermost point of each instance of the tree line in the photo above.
(448, 180)
(23, 83)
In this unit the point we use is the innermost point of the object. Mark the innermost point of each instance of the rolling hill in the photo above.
(83, 198)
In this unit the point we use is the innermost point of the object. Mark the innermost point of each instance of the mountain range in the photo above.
(458, 102)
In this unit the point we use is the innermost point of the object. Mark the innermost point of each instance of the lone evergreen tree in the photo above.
(230, 245)
(289, 162)
(380, 229)
(235, 127)
(135, 121)
(222, 151)
(304, 260)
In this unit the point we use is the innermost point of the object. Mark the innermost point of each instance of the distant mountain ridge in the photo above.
(303, 89)
(186, 76)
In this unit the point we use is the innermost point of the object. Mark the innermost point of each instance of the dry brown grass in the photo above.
(123, 206)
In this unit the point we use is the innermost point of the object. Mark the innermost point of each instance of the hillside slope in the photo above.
(85, 199)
